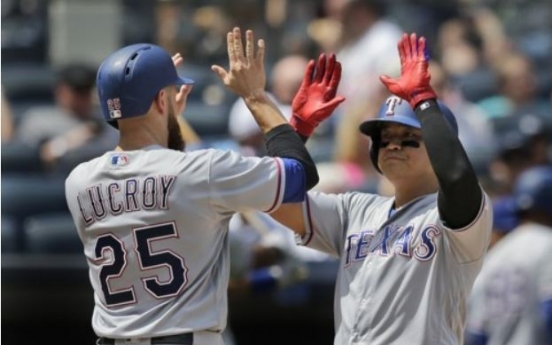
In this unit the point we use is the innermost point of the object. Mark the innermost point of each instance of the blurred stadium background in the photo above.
(491, 60)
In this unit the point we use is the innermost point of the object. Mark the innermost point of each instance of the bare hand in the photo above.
(183, 91)
(246, 76)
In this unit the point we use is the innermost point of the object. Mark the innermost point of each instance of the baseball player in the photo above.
(154, 219)
(511, 302)
(408, 262)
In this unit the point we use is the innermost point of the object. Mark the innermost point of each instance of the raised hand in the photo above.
(413, 85)
(316, 99)
(246, 75)
(183, 90)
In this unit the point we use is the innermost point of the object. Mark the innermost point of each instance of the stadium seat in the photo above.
(52, 234)
(28, 195)
(20, 158)
(9, 235)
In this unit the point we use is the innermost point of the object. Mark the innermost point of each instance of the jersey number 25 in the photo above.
(148, 260)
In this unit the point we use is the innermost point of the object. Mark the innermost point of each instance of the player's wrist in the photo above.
(256, 96)
(417, 96)
(301, 126)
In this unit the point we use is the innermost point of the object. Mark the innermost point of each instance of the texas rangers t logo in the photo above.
(391, 103)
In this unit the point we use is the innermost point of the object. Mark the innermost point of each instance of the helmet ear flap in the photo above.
(374, 150)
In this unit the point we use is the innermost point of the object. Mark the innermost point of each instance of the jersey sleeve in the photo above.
(470, 243)
(544, 283)
(240, 183)
(325, 220)
(71, 197)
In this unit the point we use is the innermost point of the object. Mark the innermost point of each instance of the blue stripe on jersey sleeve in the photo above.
(295, 188)
(473, 338)
(546, 308)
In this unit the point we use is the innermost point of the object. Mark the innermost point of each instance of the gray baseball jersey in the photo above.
(404, 278)
(507, 295)
(154, 224)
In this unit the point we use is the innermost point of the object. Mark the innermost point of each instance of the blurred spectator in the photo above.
(474, 128)
(459, 47)
(518, 89)
(495, 44)
(72, 131)
(468, 47)
(523, 142)
(511, 302)
(351, 146)
(339, 177)
(256, 233)
(264, 258)
(505, 219)
(367, 49)
(206, 39)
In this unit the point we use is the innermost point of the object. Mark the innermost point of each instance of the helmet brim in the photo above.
(373, 127)
(184, 81)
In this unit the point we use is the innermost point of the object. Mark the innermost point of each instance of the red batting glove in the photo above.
(413, 85)
(316, 99)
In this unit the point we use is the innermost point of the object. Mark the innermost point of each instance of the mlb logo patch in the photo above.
(119, 160)
(115, 114)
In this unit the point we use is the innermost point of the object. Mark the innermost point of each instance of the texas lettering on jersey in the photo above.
(395, 240)
(131, 195)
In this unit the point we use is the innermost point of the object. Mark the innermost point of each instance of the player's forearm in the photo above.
(283, 141)
(460, 195)
(188, 134)
(291, 216)
(265, 112)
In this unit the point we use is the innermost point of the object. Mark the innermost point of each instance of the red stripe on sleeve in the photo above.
(278, 188)
(310, 227)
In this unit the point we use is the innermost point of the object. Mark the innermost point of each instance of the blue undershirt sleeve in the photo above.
(546, 308)
(295, 188)
(473, 338)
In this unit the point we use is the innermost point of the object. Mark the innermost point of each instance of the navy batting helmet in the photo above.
(397, 110)
(533, 190)
(129, 79)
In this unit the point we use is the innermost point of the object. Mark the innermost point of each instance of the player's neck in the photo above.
(406, 193)
(131, 145)
(140, 135)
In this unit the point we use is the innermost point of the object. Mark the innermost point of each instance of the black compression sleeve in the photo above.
(303, 138)
(460, 195)
(282, 141)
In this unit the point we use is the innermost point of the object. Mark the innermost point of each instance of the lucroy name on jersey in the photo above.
(131, 195)
(392, 240)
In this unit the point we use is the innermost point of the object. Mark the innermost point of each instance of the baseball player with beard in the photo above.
(153, 219)
(408, 262)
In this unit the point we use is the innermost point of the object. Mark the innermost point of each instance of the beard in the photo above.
(175, 142)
